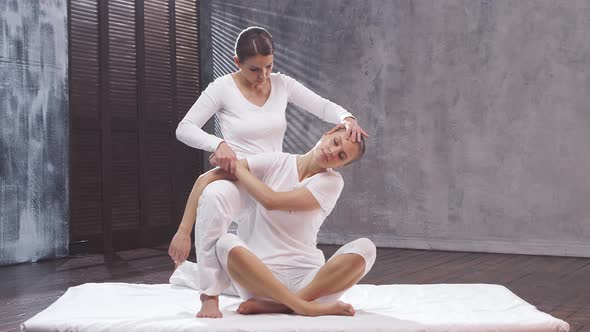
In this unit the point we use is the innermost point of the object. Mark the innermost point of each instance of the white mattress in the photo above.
(407, 308)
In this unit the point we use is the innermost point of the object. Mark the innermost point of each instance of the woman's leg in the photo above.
(219, 204)
(343, 270)
(251, 274)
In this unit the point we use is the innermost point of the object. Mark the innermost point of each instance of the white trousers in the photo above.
(221, 203)
(295, 278)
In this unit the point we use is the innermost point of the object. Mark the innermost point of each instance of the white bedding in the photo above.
(165, 307)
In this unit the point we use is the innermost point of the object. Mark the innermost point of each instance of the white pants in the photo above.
(221, 203)
(295, 278)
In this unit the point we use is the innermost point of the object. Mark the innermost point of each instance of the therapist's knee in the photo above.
(217, 193)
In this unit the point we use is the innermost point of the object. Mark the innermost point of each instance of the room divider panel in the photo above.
(133, 74)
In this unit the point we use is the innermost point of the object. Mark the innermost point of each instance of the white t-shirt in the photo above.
(289, 238)
(247, 128)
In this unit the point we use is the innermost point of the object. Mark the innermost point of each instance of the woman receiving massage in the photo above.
(250, 106)
(278, 268)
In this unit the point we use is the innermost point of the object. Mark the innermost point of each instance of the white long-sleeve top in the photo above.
(249, 129)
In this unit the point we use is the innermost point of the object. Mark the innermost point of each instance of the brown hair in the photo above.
(362, 146)
(254, 41)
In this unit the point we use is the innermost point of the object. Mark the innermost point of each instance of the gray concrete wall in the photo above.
(479, 114)
(33, 130)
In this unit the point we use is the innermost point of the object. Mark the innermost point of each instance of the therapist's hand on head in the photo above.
(353, 130)
(224, 157)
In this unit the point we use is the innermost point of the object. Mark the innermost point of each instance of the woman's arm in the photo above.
(323, 108)
(189, 129)
(298, 199)
(190, 211)
(313, 103)
(180, 245)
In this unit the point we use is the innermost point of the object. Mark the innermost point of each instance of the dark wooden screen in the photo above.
(134, 73)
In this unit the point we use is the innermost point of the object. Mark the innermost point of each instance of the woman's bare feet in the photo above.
(209, 307)
(320, 309)
(255, 306)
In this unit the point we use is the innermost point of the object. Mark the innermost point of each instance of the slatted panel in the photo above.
(158, 112)
(129, 174)
(123, 106)
(85, 172)
(188, 160)
(187, 55)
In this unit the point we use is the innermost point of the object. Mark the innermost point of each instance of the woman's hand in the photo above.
(224, 157)
(352, 129)
(180, 247)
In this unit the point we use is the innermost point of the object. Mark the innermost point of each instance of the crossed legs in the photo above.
(341, 272)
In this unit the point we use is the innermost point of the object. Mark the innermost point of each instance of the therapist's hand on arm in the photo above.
(224, 157)
(353, 130)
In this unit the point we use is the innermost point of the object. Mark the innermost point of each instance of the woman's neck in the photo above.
(245, 84)
(307, 167)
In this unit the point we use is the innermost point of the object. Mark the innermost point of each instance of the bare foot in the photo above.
(255, 306)
(209, 307)
(338, 308)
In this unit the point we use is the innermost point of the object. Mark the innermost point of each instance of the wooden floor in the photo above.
(559, 286)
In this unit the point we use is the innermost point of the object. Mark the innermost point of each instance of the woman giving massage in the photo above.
(250, 107)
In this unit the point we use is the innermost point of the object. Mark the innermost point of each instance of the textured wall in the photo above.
(33, 130)
(479, 114)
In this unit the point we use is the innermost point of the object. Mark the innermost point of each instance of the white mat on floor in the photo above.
(444, 307)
